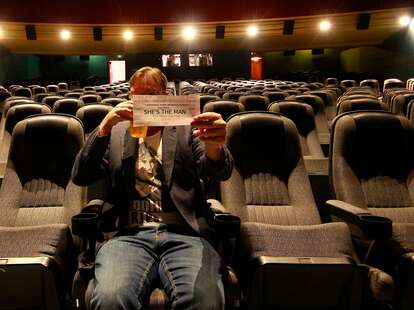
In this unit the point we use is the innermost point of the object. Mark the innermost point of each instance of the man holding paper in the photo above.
(154, 218)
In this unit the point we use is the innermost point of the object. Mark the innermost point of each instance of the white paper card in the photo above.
(163, 110)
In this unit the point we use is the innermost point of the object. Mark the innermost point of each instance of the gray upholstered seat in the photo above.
(359, 104)
(224, 108)
(37, 201)
(91, 115)
(67, 106)
(371, 168)
(254, 102)
(302, 115)
(284, 246)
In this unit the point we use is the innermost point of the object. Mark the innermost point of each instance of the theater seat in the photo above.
(302, 115)
(287, 259)
(13, 116)
(275, 95)
(254, 102)
(371, 167)
(67, 106)
(113, 101)
(50, 100)
(224, 108)
(37, 200)
(90, 98)
(91, 116)
(359, 104)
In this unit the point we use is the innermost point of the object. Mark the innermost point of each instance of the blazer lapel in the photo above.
(169, 143)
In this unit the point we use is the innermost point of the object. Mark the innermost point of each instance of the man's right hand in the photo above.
(120, 112)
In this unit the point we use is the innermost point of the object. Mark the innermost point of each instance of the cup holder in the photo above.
(85, 224)
(376, 226)
(226, 224)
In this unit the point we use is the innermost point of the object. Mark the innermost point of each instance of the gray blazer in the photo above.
(185, 166)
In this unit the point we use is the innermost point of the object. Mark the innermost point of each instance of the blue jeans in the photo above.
(128, 268)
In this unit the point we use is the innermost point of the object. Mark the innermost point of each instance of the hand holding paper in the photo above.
(121, 112)
(211, 129)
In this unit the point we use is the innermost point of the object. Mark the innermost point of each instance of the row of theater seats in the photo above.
(285, 249)
(284, 246)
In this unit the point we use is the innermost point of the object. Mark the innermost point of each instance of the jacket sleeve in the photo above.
(219, 170)
(91, 163)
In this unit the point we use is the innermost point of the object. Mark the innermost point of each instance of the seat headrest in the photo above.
(375, 143)
(92, 115)
(264, 142)
(44, 146)
(22, 111)
(224, 108)
(300, 113)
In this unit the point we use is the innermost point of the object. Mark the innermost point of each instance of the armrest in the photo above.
(226, 224)
(85, 223)
(375, 227)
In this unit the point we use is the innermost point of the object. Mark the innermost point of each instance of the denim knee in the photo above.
(110, 297)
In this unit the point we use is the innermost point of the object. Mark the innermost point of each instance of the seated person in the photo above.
(155, 209)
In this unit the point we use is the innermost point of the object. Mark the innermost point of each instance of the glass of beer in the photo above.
(138, 131)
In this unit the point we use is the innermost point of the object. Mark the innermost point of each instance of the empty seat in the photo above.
(37, 201)
(371, 167)
(275, 95)
(348, 83)
(359, 104)
(67, 106)
(63, 86)
(23, 91)
(399, 104)
(302, 115)
(106, 94)
(113, 101)
(38, 89)
(40, 96)
(224, 108)
(15, 114)
(254, 102)
(52, 88)
(90, 98)
(233, 95)
(285, 250)
(207, 98)
(92, 115)
(73, 95)
(331, 81)
(50, 100)
(393, 83)
(373, 84)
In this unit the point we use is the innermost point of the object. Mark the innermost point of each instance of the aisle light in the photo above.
(128, 35)
(405, 20)
(325, 25)
(252, 31)
(65, 34)
(189, 33)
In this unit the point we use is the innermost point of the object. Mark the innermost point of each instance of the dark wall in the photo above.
(225, 63)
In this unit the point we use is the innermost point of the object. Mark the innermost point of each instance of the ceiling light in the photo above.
(128, 35)
(189, 33)
(65, 34)
(325, 25)
(252, 31)
(405, 20)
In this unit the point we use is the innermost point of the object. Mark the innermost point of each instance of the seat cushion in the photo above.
(34, 241)
(324, 240)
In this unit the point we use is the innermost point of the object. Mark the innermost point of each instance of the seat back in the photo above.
(371, 163)
(233, 95)
(92, 115)
(302, 115)
(269, 183)
(359, 104)
(67, 106)
(224, 108)
(372, 83)
(36, 188)
(254, 102)
(50, 100)
(14, 115)
(113, 101)
(275, 95)
(90, 98)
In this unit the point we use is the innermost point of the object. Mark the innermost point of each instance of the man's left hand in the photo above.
(211, 129)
